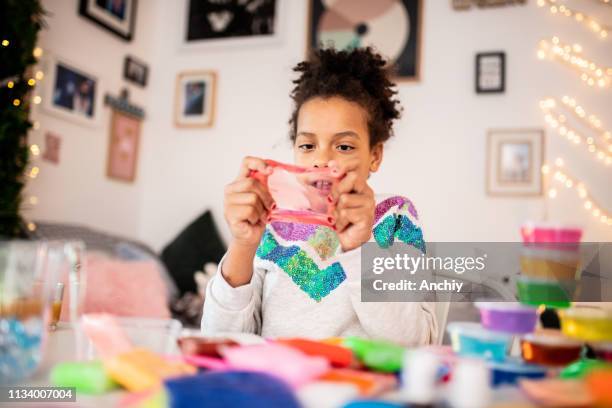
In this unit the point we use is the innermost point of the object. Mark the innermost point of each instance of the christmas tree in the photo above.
(20, 22)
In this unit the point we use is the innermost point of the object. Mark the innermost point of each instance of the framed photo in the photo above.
(393, 27)
(195, 99)
(514, 162)
(491, 72)
(123, 147)
(135, 71)
(211, 23)
(116, 16)
(71, 93)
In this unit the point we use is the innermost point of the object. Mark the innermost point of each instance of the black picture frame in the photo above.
(84, 11)
(209, 20)
(501, 88)
(406, 66)
(138, 76)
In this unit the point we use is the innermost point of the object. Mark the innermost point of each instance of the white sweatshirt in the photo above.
(303, 285)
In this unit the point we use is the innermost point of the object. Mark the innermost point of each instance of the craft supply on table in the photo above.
(550, 263)
(376, 354)
(554, 392)
(420, 376)
(285, 362)
(512, 369)
(337, 355)
(200, 346)
(550, 350)
(587, 323)
(56, 306)
(367, 403)
(507, 317)
(88, 377)
(602, 350)
(472, 340)
(367, 383)
(326, 394)
(470, 385)
(552, 236)
(553, 293)
(599, 384)
(581, 368)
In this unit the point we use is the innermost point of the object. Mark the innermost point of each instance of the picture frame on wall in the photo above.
(135, 71)
(71, 92)
(393, 28)
(211, 23)
(124, 140)
(491, 72)
(514, 162)
(115, 16)
(195, 99)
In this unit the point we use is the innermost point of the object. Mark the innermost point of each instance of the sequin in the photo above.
(293, 231)
(302, 270)
(384, 232)
(398, 226)
(325, 242)
(385, 205)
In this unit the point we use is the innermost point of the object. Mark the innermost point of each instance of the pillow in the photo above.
(121, 288)
(198, 244)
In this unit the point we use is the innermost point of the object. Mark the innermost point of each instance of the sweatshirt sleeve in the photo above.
(229, 309)
(407, 323)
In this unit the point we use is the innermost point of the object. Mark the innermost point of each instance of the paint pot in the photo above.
(553, 293)
(603, 351)
(550, 350)
(472, 340)
(587, 323)
(469, 387)
(511, 370)
(507, 317)
(549, 263)
(554, 236)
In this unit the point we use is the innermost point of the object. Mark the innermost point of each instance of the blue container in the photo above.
(472, 340)
(509, 371)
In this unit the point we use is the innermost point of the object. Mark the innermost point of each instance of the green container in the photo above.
(376, 354)
(552, 293)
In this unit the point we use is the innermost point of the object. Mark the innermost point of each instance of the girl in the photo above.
(290, 280)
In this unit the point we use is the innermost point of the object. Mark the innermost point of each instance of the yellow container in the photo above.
(547, 269)
(586, 323)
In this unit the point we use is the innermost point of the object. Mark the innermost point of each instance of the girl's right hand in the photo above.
(247, 204)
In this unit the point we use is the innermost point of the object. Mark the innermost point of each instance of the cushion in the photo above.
(198, 244)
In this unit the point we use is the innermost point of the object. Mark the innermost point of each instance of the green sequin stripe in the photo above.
(398, 226)
(304, 272)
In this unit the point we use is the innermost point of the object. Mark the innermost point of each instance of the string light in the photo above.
(34, 172)
(31, 226)
(38, 52)
(36, 99)
(590, 72)
(591, 121)
(33, 200)
(10, 84)
(561, 176)
(559, 122)
(39, 75)
(35, 149)
(601, 30)
(31, 82)
(36, 125)
(5, 43)
(16, 102)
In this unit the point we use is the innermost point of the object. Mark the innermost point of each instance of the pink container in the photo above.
(552, 236)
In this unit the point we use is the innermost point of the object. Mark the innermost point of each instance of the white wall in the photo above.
(437, 157)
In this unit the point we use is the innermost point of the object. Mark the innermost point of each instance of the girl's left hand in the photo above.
(354, 213)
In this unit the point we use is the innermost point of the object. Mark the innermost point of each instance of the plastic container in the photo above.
(507, 317)
(472, 340)
(547, 235)
(509, 371)
(549, 263)
(550, 350)
(603, 351)
(589, 324)
(536, 292)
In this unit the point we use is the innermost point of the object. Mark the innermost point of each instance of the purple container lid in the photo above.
(507, 317)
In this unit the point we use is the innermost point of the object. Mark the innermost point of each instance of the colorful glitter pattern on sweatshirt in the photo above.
(392, 222)
(315, 282)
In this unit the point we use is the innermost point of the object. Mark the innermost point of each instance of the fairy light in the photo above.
(37, 100)
(35, 149)
(38, 52)
(16, 102)
(39, 75)
(31, 82)
(590, 72)
(34, 172)
(589, 120)
(601, 149)
(31, 226)
(562, 176)
(5, 43)
(601, 30)
(36, 125)
(33, 200)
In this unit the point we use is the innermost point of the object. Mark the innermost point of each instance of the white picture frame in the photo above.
(61, 96)
(195, 99)
(514, 162)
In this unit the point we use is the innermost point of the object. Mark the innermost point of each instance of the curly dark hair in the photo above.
(358, 75)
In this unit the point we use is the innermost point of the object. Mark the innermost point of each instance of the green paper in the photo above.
(87, 377)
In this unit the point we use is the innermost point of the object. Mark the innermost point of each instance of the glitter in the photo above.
(304, 272)
(325, 242)
(399, 227)
(384, 232)
(292, 231)
(385, 205)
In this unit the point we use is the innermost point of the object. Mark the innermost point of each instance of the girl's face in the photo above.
(335, 129)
